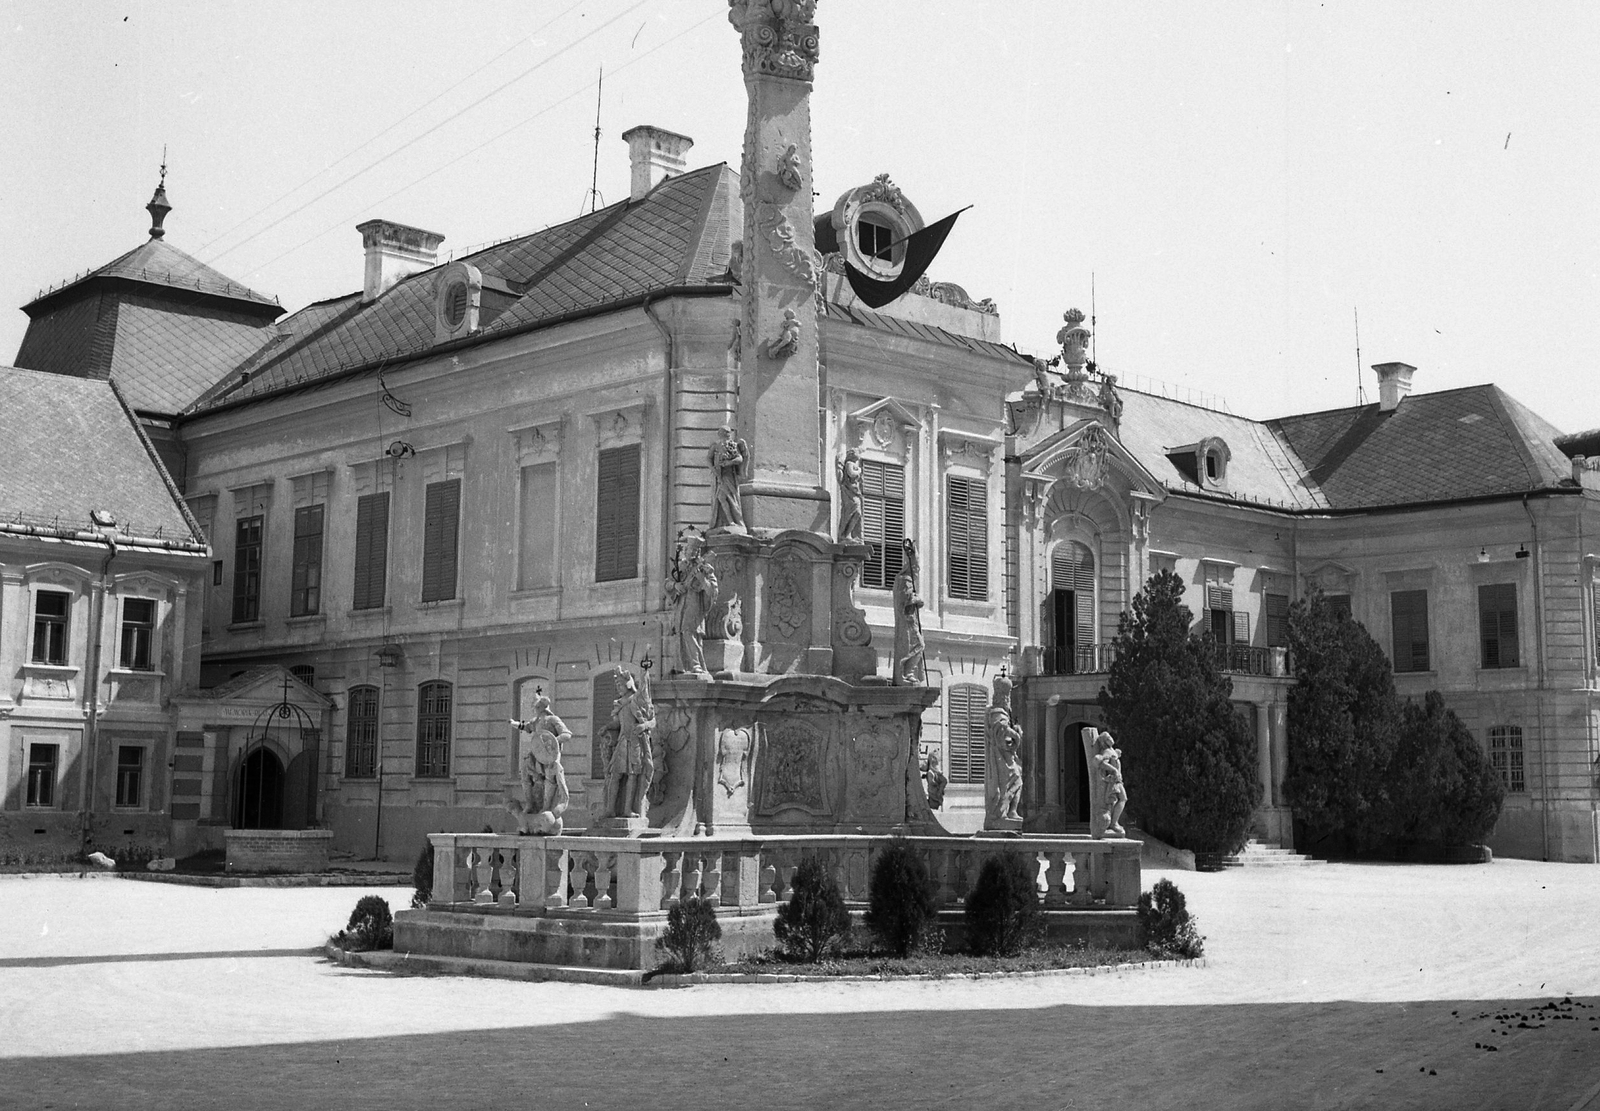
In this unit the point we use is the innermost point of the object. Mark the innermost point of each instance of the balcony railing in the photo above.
(1096, 659)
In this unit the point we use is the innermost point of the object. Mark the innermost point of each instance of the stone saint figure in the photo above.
(1111, 797)
(935, 777)
(849, 468)
(1005, 743)
(631, 764)
(543, 782)
(909, 647)
(692, 590)
(728, 457)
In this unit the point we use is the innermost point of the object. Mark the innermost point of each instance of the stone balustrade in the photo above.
(643, 878)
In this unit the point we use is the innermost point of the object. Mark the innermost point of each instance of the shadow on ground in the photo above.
(1305, 1055)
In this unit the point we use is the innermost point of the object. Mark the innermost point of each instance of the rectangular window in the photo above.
(1505, 755)
(967, 732)
(305, 597)
(1497, 624)
(372, 551)
(1408, 610)
(967, 538)
(883, 521)
(1339, 603)
(441, 520)
(130, 775)
(616, 515)
(247, 569)
(433, 731)
(42, 774)
(1277, 614)
(361, 734)
(536, 547)
(50, 611)
(138, 630)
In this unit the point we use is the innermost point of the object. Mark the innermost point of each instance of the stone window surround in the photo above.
(536, 444)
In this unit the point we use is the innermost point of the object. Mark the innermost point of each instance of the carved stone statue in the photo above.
(542, 779)
(934, 776)
(631, 763)
(692, 591)
(1110, 400)
(788, 341)
(849, 468)
(909, 647)
(789, 168)
(1004, 753)
(728, 457)
(1107, 795)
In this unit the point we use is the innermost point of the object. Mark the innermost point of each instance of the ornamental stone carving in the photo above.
(727, 459)
(849, 471)
(1085, 467)
(788, 338)
(733, 758)
(1107, 795)
(909, 646)
(792, 768)
(789, 599)
(1004, 756)
(779, 233)
(789, 168)
(541, 779)
(692, 591)
(779, 37)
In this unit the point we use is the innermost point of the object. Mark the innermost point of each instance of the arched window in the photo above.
(361, 733)
(1069, 615)
(433, 730)
(966, 729)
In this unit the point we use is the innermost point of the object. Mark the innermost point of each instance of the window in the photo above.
(616, 515)
(306, 673)
(1497, 624)
(967, 732)
(967, 528)
(1070, 610)
(883, 521)
(247, 569)
(433, 731)
(42, 774)
(1505, 755)
(875, 240)
(440, 523)
(1213, 466)
(372, 551)
(216, 572)
(1409, 612)
(536, 548)
(50, 610)
(1277, 614)
(305, 597)
(1339, 603)
(361, 734)
(138, 629)
(1227, 627)
(130, 775)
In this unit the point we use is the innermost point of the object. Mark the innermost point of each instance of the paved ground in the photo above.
(1341, 986)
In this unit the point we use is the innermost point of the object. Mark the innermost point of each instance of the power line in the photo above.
(363, 146)
(345, 221)
(448, 119)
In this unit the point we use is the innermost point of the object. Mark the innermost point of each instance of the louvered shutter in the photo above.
(883, 521)
(372, 551)
(1497, 620)
(1072, 568)
(966, 732)
(1594, 602)
(1409, 613)
(1218, 596)
(616, 534)
(966, 523)
(1277, 606)
(440, 521)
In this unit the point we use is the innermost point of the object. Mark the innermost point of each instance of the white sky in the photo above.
(1237, 176)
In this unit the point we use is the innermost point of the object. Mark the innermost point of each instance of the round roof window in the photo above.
(455, 304)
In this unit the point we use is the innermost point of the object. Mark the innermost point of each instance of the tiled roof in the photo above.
(157, 262)
(866, 318)
(677, 235)
(71, 447)
(166, 356)
(1470, 442)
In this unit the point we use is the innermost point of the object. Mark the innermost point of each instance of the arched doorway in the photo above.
(1074, 772)
(258, 791)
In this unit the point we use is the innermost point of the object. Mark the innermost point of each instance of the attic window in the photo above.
(875, 240)
(1213, 466)
(455, 304)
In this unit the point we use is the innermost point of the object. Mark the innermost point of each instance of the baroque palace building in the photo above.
(429, 500)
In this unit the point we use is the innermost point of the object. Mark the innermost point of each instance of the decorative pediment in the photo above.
(883, 425)
(1331, 577)
(261, 687)
(146, 583)
(1086, 455)
(538, 443)
(968, 448)
(57, 574)
(619, 425)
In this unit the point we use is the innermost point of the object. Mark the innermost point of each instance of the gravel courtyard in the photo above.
(1332, 986)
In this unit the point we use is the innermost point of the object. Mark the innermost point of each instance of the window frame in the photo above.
(362, 731)
(1492, 643)
(370, 591)
(41, 789)
(130, 793)
(137, 638)
(305, 579)
(967, 733)
(967, 538)
(1506, 757)
(249, 535)
(1275, 619)
(617, 531)
(433, 729)
(441, 540)
(881, 509)
(52, 632)
(1408, 613)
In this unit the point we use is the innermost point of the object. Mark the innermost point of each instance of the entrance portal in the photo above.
(1074, 772)
(258, 792)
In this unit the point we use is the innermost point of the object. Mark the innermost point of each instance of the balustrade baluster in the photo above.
(787, 863)
(482, 867)
(508, 877)
(732, 866)
(671, 879)
(556, 863)
(693, 873)
(605, 868)
(1055, 891)
(581, 865)
(1080, 880)
(713, 877)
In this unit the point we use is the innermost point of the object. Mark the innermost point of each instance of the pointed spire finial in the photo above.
(158, 206)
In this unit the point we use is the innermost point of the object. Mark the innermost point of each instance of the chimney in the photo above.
(393, 251)
(654, 154)
(1394, 382)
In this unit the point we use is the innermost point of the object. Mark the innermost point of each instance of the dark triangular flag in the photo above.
(921, 246)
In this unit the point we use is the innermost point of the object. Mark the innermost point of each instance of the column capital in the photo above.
(779, 37)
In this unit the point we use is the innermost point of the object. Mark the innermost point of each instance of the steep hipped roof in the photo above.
(678, 235)
(1464, 443)
(157, 262)
(72, 447)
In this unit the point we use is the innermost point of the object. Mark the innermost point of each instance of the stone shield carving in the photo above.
(789, 600)
(733, 757)
(791, 769)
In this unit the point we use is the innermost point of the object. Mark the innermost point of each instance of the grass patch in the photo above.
(867, 963)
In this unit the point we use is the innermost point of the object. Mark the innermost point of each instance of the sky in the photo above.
(1226, 184)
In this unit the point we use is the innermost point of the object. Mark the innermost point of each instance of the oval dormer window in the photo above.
(1213, 465)
(455, 304)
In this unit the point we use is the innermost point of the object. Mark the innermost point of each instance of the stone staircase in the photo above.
(1260, 854)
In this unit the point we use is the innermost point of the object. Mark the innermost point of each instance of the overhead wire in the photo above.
(409, 115)
(448, 119)
(369, 206)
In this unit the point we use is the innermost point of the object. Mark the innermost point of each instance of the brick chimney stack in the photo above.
(654, 154)
(1394, 382)
(394, 251)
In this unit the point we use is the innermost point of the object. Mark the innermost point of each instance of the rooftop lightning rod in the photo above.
(1361, 390)
(594, 175)
(1094, 328)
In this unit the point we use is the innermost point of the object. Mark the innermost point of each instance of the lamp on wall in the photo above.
(1483, 555)
(389, 655)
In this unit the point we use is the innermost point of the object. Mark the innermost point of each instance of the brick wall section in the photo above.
(278, 850)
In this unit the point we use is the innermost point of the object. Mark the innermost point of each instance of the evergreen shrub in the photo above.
(691, 937)
(900, 906)
(814, 920)
(371, 925)
(1165, 924)
(422, 877)
(1002, 912)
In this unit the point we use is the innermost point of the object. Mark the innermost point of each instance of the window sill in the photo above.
(51, 669)
(246, 626)
(307, 619)
(373, 611)
(542, 591)
(442, 603)
(137, 673)
(433, 779)
(1513, 669)
(1431, 673)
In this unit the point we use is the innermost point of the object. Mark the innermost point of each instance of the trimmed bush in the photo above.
(814, 920)
(691, 937)
(422, 877)
(1002, 912)
(371, 924)
(1165, 924)
(900, 906)
(1443, 788)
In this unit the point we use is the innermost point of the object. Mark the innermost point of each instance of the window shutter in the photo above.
(883, 521)
(1219, 597)
(1072, 568)
(1277, 606)
(1409, 616)
(616, 536)
(440, 522)
(967, 526)
(1594, 602)
(966, 732)
(372, 551)
(1497, 624)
